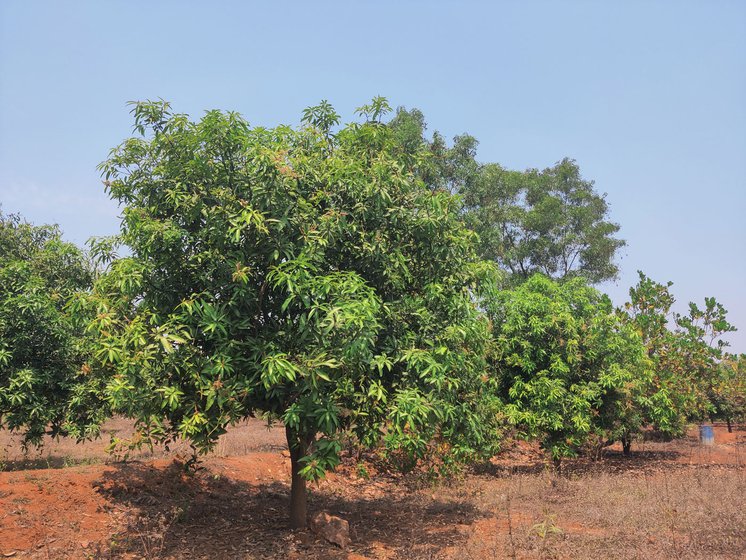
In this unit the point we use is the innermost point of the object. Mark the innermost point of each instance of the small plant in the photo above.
(547, 527)
(362, 471)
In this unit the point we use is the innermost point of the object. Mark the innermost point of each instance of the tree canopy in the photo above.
(686, 351)
(309, 274)
(41, 354)
(568, 366)
(551, 222)
(727, 392)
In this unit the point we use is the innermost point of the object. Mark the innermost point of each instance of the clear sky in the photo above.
(649, 97)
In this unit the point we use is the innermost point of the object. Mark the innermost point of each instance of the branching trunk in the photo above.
(298, 446)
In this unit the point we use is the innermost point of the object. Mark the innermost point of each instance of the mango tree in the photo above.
(728, 391)
(698, 352)
(41, 354)
(569, 369)
(305, 273)
(685, 351)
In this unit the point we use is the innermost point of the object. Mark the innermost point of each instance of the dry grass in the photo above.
(669, 500)
(682, 513)
(243, 438)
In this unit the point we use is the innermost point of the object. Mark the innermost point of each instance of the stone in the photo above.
(331, 528)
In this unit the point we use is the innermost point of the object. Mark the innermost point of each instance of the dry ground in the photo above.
(668, 500)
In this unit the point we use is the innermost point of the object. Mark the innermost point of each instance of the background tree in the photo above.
(685, 350)
(41, 352)
(568, 366)
(549, 221)
(698, 351)
(453, 168)
(307, 274)
(728, 392)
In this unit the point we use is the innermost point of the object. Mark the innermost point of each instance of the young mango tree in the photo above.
(728, 391)
(307, 274)
(698, 352)
(41, 355)
(686, 353)
(669, 396)
(569, 369)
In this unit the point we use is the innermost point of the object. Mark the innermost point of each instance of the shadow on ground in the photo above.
(48, 462)
(611, 461)
(171, 514)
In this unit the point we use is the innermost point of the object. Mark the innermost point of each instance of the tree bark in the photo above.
(626, 443)
(730, 428)
(298, 447)
(626, 446)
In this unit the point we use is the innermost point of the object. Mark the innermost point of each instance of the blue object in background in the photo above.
(706, 435)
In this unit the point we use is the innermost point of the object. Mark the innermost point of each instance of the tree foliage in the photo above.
(686, 351)
(568, 366)
(41, 354)
(308, 274)
(452, 168)
(551, 222)
(727, 393)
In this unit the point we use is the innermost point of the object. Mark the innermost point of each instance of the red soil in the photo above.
(238, 501)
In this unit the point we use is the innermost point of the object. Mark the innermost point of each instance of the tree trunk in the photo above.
(298, 447)
(730, 428)
(626, 444)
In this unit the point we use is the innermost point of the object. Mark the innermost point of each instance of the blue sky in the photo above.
(649, 97)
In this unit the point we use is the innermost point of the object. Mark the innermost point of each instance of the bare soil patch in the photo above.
(667, 500)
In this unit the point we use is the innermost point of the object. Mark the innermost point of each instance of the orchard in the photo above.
(362, 286)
